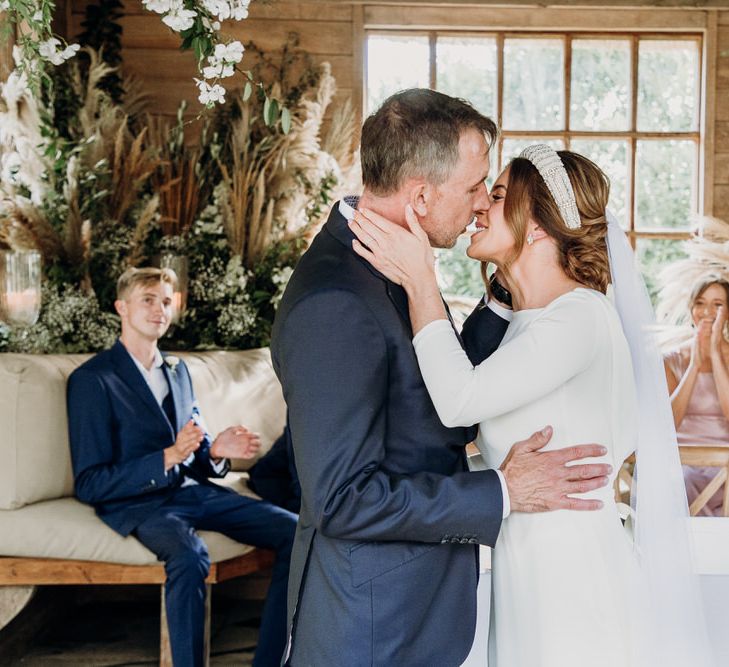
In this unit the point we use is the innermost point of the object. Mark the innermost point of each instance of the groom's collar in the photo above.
(340, 215)
(347, 206)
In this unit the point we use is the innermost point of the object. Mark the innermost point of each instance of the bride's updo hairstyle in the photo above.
(583, 252)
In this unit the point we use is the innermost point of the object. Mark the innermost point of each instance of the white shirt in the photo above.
(346, 208)
(154, 377)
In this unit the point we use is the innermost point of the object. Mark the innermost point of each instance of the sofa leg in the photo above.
(206, 635)
(165, 650)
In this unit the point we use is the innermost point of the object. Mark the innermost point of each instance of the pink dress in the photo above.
(703, 424)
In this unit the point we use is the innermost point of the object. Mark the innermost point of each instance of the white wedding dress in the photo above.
(562, 582)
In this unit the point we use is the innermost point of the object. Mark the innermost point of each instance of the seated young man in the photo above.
(142, 458)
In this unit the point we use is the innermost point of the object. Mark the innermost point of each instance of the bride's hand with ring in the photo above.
(401, 255)
(404, 257)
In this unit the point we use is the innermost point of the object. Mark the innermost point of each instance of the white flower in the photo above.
(216, 25)
(172, 362)
(209, 95)
(230, 53)
(38, 16)
(239, 9)
(212, 71)
(4, 5)
(70, 51)
(218, 8)
(49, 51)
(48, 48)
(11, 164)
(158, 6)
(218, 69)
(180, 19)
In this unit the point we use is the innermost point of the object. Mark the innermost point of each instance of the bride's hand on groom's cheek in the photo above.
(540, 481)
(402, 256)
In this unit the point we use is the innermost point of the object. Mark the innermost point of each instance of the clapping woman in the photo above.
(698, 381)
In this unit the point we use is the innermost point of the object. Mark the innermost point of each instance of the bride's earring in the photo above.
(530, 239)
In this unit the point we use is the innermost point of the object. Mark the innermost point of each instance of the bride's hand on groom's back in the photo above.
(540, 481)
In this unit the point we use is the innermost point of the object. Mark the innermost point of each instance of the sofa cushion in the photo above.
(68, 529)
(232, 387)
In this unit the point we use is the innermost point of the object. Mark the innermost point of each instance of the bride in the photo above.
(565, 584)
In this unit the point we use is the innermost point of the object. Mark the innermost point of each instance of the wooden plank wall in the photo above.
(721, 135)
(151, 50)
(332, 31)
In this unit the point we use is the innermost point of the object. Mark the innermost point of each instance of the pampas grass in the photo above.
(131, 165)
(275, 184)
(177, 181)
(246, 194)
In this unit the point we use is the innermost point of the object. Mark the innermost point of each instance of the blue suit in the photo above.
(118, 433)
(385, 563)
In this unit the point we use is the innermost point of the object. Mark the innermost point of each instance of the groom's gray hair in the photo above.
(415, 134)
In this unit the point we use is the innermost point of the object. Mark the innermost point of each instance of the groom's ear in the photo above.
(420, 197)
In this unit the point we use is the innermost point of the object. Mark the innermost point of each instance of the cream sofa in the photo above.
(39, 516)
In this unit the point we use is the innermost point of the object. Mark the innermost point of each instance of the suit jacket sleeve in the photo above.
(332, 359)
(98, 474)
(482, 333)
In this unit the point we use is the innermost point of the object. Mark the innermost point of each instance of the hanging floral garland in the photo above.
(197, 22)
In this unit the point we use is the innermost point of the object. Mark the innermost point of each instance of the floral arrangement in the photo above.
(197, 21)
(98, 185)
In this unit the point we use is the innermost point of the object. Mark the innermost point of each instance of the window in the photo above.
(630, 102)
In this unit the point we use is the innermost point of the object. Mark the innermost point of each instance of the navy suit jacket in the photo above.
(118, 433)
(385, 561)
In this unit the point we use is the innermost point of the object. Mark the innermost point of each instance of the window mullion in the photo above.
(632, 142)
(432, 44)
(567, 88)
(500, 94)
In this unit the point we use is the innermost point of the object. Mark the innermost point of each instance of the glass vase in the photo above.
(20, 287)
(178, 264)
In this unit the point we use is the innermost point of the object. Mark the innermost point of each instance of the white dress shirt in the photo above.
(347, 207)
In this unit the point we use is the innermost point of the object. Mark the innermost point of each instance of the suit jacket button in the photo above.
(153, 482)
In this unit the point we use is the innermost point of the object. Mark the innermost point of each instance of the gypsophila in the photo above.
(280, 277)
(70, 322)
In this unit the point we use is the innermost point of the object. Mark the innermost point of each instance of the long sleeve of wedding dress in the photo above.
(558, 344)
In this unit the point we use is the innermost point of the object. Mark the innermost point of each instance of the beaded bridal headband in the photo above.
(550, 167)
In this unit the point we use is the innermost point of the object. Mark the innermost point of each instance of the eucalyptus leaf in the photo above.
(266, 110)
(247, 91)
(285, 120)
(272, 113)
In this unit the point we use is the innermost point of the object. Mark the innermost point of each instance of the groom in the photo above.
(385, 562)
